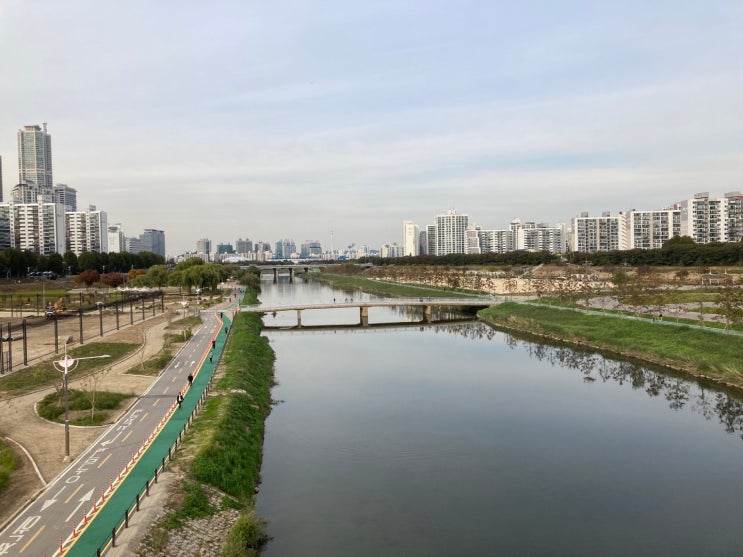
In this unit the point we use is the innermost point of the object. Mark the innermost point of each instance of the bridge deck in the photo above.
(410, 302)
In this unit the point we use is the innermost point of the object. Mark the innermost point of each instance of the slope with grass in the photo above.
(222, 452)
(701, 353)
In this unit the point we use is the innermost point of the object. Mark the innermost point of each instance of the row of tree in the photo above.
(190, 274)
(18, 263)
(680, 251)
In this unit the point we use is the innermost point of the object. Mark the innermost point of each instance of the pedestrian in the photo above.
(210, 358)
(190, 379)
(179, 399)
(214, 343)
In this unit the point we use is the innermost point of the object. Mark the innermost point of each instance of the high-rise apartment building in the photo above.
(204, 249)
(410, 238)
(604, 233)
(86, 230)
(651, 229)
(243, 247)
(38, 227)
(116, 238)
(35, 157)
(451, 229)
(713, 219)
(431, 239)
(285, 249)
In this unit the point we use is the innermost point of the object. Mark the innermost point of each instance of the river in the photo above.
(463, 440)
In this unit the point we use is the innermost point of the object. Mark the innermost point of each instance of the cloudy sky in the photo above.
(272, 119)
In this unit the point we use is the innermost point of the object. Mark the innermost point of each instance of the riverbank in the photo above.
(210, 508)
(699, 353)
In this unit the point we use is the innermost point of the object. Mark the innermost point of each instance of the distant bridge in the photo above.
(426, 303)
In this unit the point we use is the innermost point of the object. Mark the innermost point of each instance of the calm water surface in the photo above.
(464, 441)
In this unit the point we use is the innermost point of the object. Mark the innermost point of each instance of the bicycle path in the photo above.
(122, 499)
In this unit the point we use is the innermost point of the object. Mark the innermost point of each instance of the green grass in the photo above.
(695, 351)
(384, 288)
(195, 505)
(8, 462)
(230, 459)
(226, 439)
(52, 406)
(45, 374)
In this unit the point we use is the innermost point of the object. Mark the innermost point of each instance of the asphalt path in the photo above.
(48, 522)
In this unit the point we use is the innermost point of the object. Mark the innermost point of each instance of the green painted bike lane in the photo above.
(97, 535)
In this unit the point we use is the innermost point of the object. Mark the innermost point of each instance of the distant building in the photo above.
(38, 227)
(116, 239)
(223, 249)
(204, 249)
(311, 249)
(243, 247)
(431, 239)
(29, 192)
(713, 219)
(86, 230)
(651, 229)
(604, 233)
(153, 241)
(285, 249)
(133, 245)
(393, 250)
(450, 232)
(35, 157)
(67, 196)
(410, 238)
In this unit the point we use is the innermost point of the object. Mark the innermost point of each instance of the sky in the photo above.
(312, 120)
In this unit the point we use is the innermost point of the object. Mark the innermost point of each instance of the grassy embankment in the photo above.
(697, 352)
(223, 449)
(385, 288)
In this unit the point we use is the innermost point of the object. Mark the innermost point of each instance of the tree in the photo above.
(88, 277)
(157, 275)
(113, 279)
(730, 301)
(70, 260)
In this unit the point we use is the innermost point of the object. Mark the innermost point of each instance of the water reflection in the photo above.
(710, 403)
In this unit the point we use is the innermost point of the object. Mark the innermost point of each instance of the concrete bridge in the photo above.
(428, 304)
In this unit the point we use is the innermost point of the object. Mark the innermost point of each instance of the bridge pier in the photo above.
(364, 316)
(427, 310)
(291, 274)
(299, 318)
(275, 275)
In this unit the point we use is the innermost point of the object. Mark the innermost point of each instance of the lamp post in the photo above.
(66, 365)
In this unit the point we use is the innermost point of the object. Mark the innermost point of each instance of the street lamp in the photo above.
(66, 365)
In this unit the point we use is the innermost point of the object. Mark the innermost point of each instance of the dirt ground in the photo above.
(43, 441)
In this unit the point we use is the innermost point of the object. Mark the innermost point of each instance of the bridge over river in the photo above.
(428, 305)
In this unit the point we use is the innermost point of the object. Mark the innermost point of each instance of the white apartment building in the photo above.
(116, 238)
(87, 231)
(651, 229)
(37, 227)
(410, 238)
(713, 219)
(451, 230)
(604, 233)
(35, 157)
(531, 236)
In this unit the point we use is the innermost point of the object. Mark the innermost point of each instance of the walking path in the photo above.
(43, 442)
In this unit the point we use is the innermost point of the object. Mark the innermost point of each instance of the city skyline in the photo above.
(281, 120)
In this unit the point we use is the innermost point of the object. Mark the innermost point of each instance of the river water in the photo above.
(462, 440)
